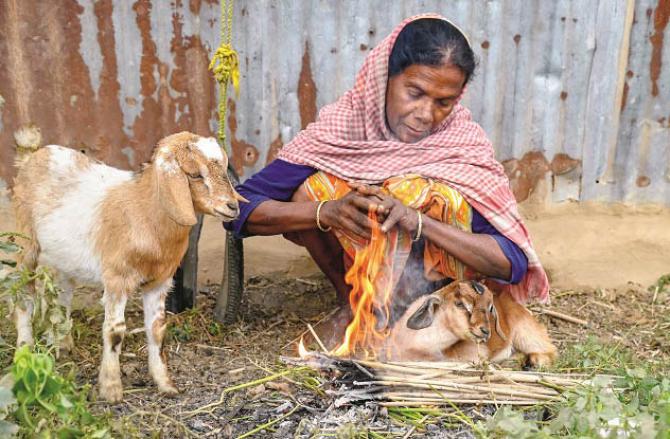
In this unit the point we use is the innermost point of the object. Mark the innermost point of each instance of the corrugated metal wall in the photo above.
(574, 94)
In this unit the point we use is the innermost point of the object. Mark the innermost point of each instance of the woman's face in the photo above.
(419, 98)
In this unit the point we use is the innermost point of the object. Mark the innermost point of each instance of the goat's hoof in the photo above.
(168, 389)
(23, 341)
(539, 360)
(111, 392)
(66, 345)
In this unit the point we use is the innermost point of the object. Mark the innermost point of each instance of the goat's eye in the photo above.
(460, 305)
(195, 176)
(491, 308)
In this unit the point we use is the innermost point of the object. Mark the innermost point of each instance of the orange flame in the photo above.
(371, 288)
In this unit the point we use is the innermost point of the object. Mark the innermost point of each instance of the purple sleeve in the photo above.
(277, 181)
(516, 257)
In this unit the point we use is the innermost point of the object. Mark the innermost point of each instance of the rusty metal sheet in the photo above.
(106, 77)
(573, 94)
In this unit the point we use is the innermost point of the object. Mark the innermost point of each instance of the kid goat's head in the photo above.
(191, 173)
(465, 308)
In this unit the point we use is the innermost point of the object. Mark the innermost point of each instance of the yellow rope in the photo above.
(225, 66)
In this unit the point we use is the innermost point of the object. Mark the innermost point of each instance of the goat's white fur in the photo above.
(66, 233)
(154, 308)
(210, 148)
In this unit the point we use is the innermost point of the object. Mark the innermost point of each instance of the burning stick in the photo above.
(433, 383)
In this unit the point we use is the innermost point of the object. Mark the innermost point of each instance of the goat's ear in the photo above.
(499, 330)
(424, 316)
(479, 288)
(174, 195)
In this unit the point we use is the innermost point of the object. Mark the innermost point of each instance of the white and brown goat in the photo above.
(465, 321)
(94, 224)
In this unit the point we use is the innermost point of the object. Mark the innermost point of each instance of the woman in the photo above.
(412, 154)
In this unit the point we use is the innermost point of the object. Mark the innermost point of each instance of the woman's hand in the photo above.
(350, 213)
(402, 216)
(391, 211)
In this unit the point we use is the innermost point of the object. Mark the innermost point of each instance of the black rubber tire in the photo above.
(232, 285)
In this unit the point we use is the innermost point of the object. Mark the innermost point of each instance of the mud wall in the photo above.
(575, 95)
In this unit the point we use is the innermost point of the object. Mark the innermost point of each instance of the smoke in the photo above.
(412, 284)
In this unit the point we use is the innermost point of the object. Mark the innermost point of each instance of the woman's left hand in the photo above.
(391, 211)
(400, 215)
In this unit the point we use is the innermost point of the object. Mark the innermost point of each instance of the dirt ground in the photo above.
(600, 259)
(217, 367)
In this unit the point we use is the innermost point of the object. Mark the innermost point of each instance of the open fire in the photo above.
(370, 277)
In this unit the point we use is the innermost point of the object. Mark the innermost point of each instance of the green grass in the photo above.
(594, 356)
(636, 405)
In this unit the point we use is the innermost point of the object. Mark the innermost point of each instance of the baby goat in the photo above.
(95, 224)
(465, 321)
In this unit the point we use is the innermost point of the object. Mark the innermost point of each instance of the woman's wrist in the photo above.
(412, 222)
(320, 224)
(419, 227)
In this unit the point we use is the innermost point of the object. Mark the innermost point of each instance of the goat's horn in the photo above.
(239, 197)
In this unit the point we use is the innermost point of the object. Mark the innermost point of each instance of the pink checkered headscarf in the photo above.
(352, 141)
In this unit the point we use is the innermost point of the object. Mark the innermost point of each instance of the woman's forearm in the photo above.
(481, 252)
(275, 217)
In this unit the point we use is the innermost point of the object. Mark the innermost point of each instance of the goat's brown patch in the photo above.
(116, 339)
(158, 329)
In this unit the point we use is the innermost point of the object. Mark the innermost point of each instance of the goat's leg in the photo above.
(154, 325)
(24, 306)
(467, 351)
(531, 338)
(23, 313)
(65, 300)
(113, 331)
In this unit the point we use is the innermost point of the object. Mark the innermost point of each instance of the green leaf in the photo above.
(47, 405)
(51, 387)
(9, 247)
(65, 402)
(98, 434)
(70, 433)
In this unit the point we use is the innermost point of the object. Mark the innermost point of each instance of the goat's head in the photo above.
(465, 308)
(192, 177)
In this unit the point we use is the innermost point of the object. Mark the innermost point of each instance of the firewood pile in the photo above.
(435, 383)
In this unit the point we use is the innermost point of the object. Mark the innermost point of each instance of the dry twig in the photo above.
(560, 315)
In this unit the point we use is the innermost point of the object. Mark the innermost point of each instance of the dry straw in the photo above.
(436, 383)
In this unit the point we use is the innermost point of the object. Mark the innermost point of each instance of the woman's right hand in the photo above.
(350, 214)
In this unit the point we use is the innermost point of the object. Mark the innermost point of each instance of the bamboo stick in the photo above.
(419, 403)
(438, 383)
(444, 396)
(541, 389)
(447, 385)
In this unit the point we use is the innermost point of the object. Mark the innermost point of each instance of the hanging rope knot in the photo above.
(226, 67)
